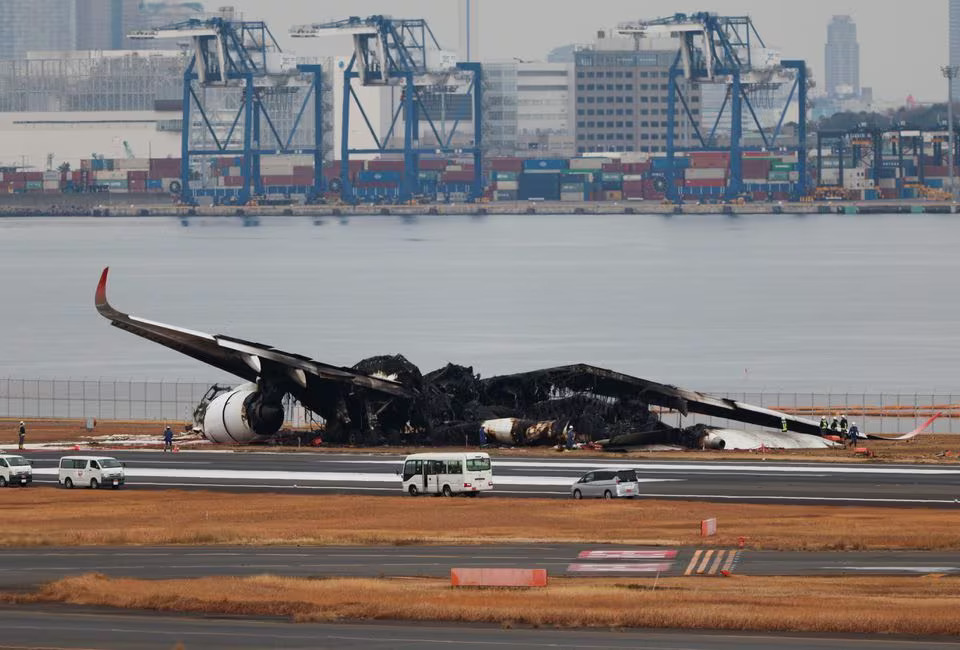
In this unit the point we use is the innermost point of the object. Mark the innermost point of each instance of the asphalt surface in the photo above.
(24, 627)
(747, 481)
(29, 567)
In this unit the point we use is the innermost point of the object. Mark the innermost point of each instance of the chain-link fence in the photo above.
(111, 400)
(884, 413)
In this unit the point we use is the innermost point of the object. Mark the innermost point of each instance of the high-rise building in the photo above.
(842, 57)
(36, 25)
(104, 24)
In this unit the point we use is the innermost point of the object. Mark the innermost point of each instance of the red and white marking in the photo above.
(627, 555)
(651, 567)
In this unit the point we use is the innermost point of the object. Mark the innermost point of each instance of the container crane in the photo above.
(727, 50)
(403, 52)
(242, 56)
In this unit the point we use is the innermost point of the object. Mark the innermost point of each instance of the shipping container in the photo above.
(552, 164)
(511, 186)
(591, 164)
(506, 164)
(544, 186)
(705, 173)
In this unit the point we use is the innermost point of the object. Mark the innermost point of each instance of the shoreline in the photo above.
(114, 208)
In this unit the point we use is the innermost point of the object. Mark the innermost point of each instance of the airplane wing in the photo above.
(908, 436)
(607, 383)
(245, 359)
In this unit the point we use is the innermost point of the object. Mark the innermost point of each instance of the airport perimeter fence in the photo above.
(172, 401)
(175, 401)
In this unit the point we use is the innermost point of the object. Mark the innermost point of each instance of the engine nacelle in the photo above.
(241, 416)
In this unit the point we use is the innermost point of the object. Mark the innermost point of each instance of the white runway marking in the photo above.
(774, 468)
(246, 476)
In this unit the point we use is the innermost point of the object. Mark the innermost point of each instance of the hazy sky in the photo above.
(902, 44)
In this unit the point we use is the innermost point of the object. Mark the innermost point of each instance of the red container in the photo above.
(760, 196)
(612, 167)
(303, 170)
(432, 164)
(164, 168)
(936, 171)
(637, 168)
(457, 177)
(33, 176)
(506, 164)
(137, 176)
(233, 181)
(779, 196)
(633, 189)
(709, 159)
(385, 165)
(756, 168)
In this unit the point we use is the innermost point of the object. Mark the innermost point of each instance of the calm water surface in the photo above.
(777, 303)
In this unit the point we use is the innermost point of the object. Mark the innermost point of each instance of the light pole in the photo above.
(951, 72)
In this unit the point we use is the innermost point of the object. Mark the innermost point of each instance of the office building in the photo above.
(842, 57)
(36, 25)
(529, 109)
(622, 87)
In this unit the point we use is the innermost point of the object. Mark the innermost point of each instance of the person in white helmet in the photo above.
(22, 433)
(853, 433)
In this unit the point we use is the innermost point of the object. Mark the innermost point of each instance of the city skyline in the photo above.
(896, 60)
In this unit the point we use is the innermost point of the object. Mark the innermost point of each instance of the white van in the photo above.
(15, 470)
(90, 471)
(447, 474)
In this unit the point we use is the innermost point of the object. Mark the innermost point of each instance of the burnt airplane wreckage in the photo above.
(387, 400)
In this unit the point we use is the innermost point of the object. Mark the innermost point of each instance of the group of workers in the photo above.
(838, 427)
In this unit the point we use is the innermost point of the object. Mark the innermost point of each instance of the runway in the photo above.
(746, 481)
(24, 627)
(29, 567)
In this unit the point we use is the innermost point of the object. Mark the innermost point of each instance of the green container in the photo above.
(612, 177)
(504, 176)
(571, 187)
(779, 176)
(783, 167)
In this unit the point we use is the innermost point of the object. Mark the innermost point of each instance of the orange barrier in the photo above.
(498, 577)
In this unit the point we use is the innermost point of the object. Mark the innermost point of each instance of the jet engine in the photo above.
(241, 415)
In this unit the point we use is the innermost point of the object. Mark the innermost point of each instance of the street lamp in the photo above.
(951, 72)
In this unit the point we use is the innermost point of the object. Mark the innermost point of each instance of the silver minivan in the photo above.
(606, 484)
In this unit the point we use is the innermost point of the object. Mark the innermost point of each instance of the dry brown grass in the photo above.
(911, 606)
(50, 516)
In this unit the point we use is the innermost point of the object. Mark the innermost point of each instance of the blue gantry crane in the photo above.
(243, 58)
(405, 53)
(727, 50)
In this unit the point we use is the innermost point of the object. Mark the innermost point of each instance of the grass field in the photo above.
(925, 605)
(51, 516)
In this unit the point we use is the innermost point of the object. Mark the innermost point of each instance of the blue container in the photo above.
(661, 164)
(870, 195)
(154, 184)
(934, 182)
(539, 186)
(546, 164)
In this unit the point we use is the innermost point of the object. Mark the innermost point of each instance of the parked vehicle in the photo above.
(15, 470)
(90, 471)
(606, 484)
